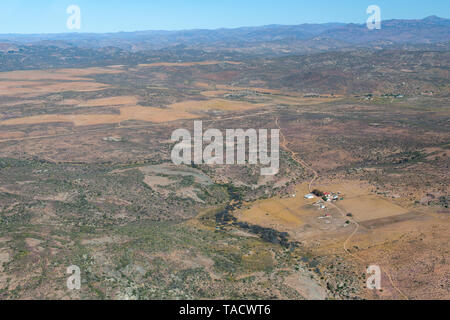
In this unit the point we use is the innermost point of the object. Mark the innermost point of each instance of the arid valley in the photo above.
(86, 176)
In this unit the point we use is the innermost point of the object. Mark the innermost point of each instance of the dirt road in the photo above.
(294, 155)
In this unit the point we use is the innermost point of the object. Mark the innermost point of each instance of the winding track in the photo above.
(294, 155)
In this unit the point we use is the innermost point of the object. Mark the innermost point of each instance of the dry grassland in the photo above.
(32, 83)
(130, 111)
(112, 101)
(363, 205)
(281, 214)
(56, 74)
(214, 104)
(186, 64)
(27, 89)
(149, 114)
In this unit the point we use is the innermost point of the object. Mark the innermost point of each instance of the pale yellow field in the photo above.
(370, 207)
(214, 93)
(130, 111)
(361, 203)
(301, 101)
(262, 90)
(19, 102)
(12, 134)
(277, 96)
(214, 104)
(149, 114)
(32, 89)
(276, 212)
(101, 102)
(289, 213)
(55, 74)
(112, 101)
(185, 64)
(266, 215)
(31, 83)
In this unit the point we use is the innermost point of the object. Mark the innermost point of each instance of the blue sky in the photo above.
(49, 16)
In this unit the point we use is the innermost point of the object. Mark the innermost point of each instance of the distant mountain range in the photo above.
(21, 52)
(276, 38)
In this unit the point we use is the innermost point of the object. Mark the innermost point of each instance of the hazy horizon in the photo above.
(49, 16)
(211, 29)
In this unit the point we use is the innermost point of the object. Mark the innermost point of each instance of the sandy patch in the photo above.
(173, 170)
(278, 96)
(288, 213)
(4, 239)
(31, 242)
(11, 135)
(361, 203)
(308, 288)
(21, 102)
(102, 102)
(214, 93)
(112, 101)
(56, 74)
(127, 106)
(99, 241)
(30, 89)
(215, 104)
(186, 64)
(157, 181)
(187, 260)
(189, 193)
(261, 90)
(61, 197)
(293, 213)
(31, 83)
(370, 207)
(149, 114)
(4, 257)
(69, 102)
